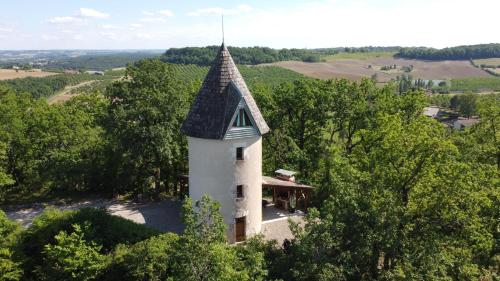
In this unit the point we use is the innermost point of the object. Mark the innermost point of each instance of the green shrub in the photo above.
(107, 230)
(147, 260)
(10, 269)
(72, 257)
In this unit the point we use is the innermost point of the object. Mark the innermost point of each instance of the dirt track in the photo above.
(65, 94)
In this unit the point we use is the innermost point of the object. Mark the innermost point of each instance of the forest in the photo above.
(452, 53)
(398, 197)
(249, 56)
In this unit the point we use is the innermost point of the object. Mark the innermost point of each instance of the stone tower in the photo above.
(224, 129)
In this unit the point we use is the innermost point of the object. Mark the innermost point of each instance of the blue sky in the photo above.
(155, 24)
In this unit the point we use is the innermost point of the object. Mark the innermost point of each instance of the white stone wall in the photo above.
(214, 170)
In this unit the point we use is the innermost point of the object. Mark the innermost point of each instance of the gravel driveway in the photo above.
(163, 215)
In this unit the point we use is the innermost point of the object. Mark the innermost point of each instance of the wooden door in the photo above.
(240, 229)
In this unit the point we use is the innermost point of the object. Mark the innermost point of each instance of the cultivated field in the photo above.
(7, 74)
(356, 69)
(492, 61)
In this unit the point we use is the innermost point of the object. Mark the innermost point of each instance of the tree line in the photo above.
(246, 55)
(398, 197)
(45, 87)
(466, 52)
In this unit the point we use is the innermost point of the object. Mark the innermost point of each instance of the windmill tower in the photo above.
(224, 129)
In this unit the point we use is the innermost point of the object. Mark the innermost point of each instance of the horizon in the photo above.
(161, 25)
(231, 46)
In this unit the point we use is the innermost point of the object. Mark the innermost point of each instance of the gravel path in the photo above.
(163, 215)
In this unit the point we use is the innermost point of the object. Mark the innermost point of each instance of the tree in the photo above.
(467, 104)
(151, 259)
(300, 114)
(10, 268)
(203, 253)
(5, 178)
(393, 208)
(72, 257)
(145, 114)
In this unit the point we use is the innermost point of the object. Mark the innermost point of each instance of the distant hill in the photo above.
(59, 60)
(481, 51)
(250, 56)
(204, 56)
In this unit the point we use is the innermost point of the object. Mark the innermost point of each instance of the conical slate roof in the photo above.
(217, 101)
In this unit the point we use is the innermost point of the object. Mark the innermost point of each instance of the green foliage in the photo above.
(453, 53)
(475, 84)
(5, 178)
(298, 113)
(202, 251)
(397, 197)
(250, 56)
(394, 210)
(98, 62)
(144, 118)
(150, 259)
(51, 147)
(107, 231)
(72, 257)
(271, 76)
(44, 87)
(10, 268)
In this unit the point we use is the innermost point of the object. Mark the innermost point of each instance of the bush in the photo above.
(147, 260)
(9, 231)
(72, 257)
(107, 230)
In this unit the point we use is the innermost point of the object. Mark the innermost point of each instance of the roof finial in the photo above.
(222, 28)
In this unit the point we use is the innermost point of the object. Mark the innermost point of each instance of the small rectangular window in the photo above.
(239, 191)
(239, 153)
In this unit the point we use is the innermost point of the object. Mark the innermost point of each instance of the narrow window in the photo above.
(239, 153)
(239, 191)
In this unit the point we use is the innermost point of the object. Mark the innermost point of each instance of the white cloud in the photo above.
(166, 13)
(91, 13)
(6, 29)
(136, 25)
(151, 20)
(80, 17)
(109, 26)
(49, 37)
(144, 36)
(160, 13)
(219, 11)
(68, 19)
(109, 35)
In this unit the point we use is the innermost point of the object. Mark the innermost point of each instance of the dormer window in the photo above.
(242, 119)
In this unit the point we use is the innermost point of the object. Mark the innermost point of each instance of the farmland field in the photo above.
(270, 75)
(356, 69)
(476, 84)
(491, 61)
(7, 74)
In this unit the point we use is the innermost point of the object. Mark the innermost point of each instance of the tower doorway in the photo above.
(240, 229)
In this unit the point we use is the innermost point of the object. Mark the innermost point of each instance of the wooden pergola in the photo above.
(284, 190)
